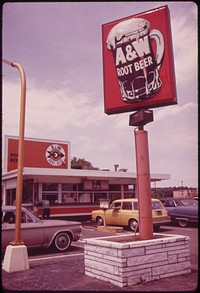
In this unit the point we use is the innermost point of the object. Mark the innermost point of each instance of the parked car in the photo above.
(124, 212)
(182, 210)
(39, 233)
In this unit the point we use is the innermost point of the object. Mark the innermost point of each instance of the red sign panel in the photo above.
(38, 154)
(138, 62)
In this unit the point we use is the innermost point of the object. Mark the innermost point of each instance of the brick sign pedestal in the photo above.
(122, 261)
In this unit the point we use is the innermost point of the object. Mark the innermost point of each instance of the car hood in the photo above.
(98, 211)
(54, 223)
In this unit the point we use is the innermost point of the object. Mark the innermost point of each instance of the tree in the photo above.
(75, 162)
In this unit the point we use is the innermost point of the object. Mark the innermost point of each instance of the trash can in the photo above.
(46, 209)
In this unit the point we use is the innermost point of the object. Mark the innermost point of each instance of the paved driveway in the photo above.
(65, 271)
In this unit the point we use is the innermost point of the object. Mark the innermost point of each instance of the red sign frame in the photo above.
(37, 153)
(159, 20)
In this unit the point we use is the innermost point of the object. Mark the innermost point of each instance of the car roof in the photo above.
(8, 207)
(132, 199)
(176, 198)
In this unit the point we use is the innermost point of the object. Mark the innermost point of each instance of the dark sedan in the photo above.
(182, 210)
(39, 233)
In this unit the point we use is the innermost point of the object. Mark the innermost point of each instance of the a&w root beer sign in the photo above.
(138, 62)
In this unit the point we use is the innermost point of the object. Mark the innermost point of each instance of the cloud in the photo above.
(99, 138)
(61, 114)
(173, 142)
(184, 35)
(173, 111)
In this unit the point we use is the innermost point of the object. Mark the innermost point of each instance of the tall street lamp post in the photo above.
(12, 261)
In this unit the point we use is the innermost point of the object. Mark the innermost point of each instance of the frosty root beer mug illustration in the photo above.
(136, 66)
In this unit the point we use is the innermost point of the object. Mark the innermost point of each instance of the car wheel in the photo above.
(99, 221)
(62, 242)
(182, 223)
(133, 224)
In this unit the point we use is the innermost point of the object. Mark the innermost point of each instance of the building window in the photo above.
(50, 187)
(99, 196)
(69, 187)
(69, 197)
(51, 197)
(50, 192)
(85, 197)
(69, 193)
(11, 196)
(27, 190)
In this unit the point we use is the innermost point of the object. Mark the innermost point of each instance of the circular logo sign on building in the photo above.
(55, 155)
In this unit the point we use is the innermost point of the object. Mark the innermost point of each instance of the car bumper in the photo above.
(190, 220)
(77, 236)
(165, 222)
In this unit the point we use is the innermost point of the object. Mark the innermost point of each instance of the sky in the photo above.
(59, 45)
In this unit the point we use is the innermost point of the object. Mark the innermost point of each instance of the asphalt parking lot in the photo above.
(59, 272)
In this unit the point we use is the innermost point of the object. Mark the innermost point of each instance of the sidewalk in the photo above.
(67, 274)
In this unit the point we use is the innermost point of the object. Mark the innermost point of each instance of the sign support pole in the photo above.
(139, 119)
(143, 183)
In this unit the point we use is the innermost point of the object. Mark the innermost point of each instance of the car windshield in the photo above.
(34, 218)
(115, 205)
(156, 205)
(188, 202)
(26, 217)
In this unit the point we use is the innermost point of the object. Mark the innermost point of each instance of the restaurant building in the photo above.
(47, 175)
